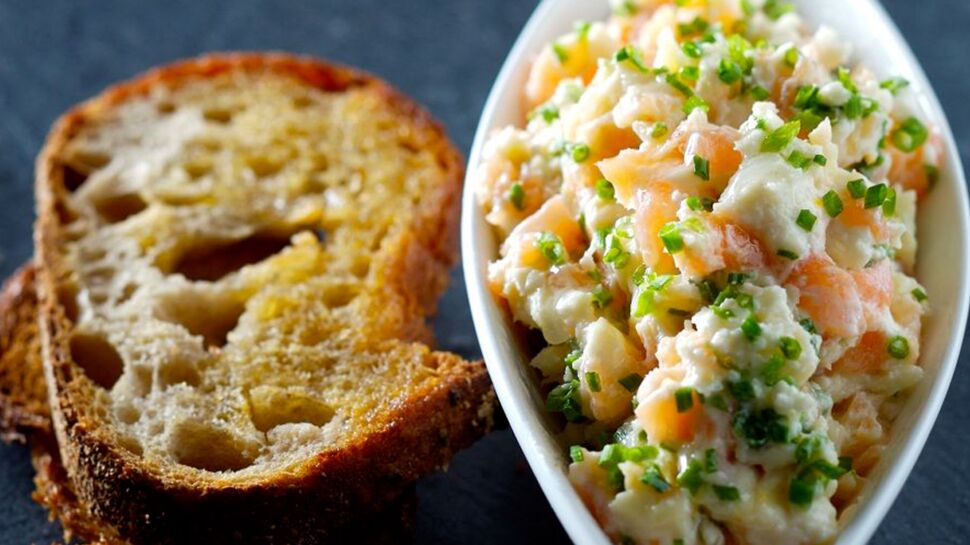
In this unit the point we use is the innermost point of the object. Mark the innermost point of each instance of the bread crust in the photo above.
(23, 394)
(152, 504)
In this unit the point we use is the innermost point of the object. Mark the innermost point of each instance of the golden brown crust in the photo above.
(146, 504)
(23, 394)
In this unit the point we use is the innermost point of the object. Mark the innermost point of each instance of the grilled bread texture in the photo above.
(236, 257)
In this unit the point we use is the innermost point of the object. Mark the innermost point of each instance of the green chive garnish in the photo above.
(604, 189)
(684, 398)
(702, 168)
(876, 195)
(726, 493)
(832, 203)
(751, 328)
(777, 139)
(857, 188)
(806, 219)
(790, 347)
(593, 380)
(576, 453)
(551, 247)
(670, 235)
(517, 196)
(631, 382)
(898, 347)
(909, 135)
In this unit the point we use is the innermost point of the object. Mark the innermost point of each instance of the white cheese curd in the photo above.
(710, 218)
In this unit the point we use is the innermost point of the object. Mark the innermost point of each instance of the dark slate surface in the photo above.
(445, 54)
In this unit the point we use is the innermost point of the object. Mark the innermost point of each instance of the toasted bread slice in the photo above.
(236, 256)
(23, 394)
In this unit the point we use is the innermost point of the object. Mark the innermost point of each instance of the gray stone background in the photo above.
(445, 54)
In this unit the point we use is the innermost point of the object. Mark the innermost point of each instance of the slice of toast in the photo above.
(25, 417)
(236, 256)
(23, 394)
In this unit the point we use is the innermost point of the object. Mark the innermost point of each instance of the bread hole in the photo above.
(221, 116)
(117, 208)
(204, 446)
(339, 296)
(198, 167)
(126, 293)
(302, 101)
(73, 178)
(211, 263)
(130, 444)
(179, 371)
(165, 107)
(263, 166)
(65, 214)
(272, 406)
(67, 293)
(97, 357)
(126, 413)
(210, 316)
(360, 267)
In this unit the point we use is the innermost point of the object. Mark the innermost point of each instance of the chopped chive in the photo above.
(853, 108)
(630, 53)
(894, 85)
(820, 160)
(798, 159)
(898, 347)
(771, 371)
(652, 476)
(659, 130)
(808, 325)
(551, 247)
(702, 168)
(700, 203)
(695, 26)
(932, 174)
(876, 195)
(919, 295)
(806, 219)
(604, 189)
(582, 29)
(791, 57)
(790, 347)
(690, 73)
(690, 477)
(742, 389)
(602, 296)
(576, 453)
(729, 71)
(625, 8)
(565, 399)
(695, 102)
(832, 203)
(631, 382)
(806, 97)
(759, 93)
(560, 52)
(801, 491)
(580, 152)
(857, 188)
(684, 398)
(726, 493)
(909, 135)
(889, 205)
(691, 49)
(670, 236)
(517, 196)
(710, 461)
(722, 313)
(744, 300)
(593, 380)
(751, 328)
(736, 278)
(777, 139)
(675, 82)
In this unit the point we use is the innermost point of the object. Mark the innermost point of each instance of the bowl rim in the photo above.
(527, 427)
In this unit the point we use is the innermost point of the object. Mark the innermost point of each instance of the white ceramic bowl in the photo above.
(943, 267)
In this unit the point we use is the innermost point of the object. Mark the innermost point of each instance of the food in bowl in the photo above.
(709, 217)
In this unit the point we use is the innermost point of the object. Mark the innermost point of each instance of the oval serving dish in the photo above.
(943, 268)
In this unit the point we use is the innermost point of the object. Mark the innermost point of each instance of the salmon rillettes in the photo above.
(709, 217)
